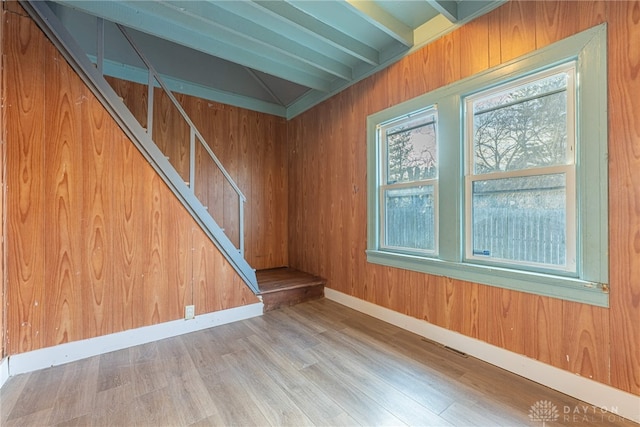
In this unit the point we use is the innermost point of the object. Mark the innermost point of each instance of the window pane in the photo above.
(521, 219)
(412, 150)
(523, 127)
(410, 218)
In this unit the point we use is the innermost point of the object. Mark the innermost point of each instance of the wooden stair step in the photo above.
(284, 287)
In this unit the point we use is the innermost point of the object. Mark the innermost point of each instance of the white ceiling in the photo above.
(279, 57)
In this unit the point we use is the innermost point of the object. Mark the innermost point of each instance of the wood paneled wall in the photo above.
(3, 320)
(327, 196)
(96, 243)
(251, 147)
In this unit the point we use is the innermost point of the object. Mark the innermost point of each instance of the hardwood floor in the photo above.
(317, 363)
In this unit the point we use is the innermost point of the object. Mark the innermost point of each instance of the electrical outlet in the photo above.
(189, 312)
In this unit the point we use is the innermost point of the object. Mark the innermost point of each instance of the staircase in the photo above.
(91, 70)
(284, 286)
(278, 287)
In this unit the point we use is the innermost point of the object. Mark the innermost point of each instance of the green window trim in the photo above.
(589, 284)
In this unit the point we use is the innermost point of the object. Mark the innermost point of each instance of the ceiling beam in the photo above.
(323, 33)
(211, 39)
(448, 8)
(257, 32)
(383, 20)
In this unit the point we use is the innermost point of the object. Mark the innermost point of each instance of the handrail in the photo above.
(157, 77)
(194, 134)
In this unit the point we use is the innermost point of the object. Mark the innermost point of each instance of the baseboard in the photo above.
(69, 352)
(600, 395)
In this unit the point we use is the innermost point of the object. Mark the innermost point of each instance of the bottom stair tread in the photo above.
(284, 286)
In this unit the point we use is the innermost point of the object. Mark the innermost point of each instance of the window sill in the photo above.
(567, 288)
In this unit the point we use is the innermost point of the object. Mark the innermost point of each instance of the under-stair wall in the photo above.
(96, 242)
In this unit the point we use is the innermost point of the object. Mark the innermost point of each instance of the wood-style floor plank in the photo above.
(317, 363)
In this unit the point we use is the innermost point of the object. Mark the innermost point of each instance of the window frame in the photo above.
(589, 283)
(568, 169)
(383, 170)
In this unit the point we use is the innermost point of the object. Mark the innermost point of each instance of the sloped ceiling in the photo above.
(278, 57)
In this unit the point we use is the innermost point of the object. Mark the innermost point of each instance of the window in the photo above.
(520, 177)
(500, 178)
(409, 182)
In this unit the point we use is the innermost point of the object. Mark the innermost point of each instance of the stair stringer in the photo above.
(76, 57)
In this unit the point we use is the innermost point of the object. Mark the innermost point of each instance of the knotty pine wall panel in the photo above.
(624, 193)
(594, 342)
(96, 242)
(24, 51)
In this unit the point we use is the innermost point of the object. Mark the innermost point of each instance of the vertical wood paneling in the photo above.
(624, 193)
(134, 96)
(176, 239)
(556, 21)
(594, 342)
(354, 194)
(329, 238)
(129, 174)
(229, 158)
(63, 196)
(294, 196)
(494, 36)
(471, 320)
(278, 242)
(517, 29)
(593, 12)
(171, 132)
(586, 340)
(3, 183)
(256, 218)
(215, 285)
(474, 46)
(155, 276)
(506, 324)
(98, 242)
(251, 146)
(97, 230)
(245, 181)
(25, 112)
(544, 341)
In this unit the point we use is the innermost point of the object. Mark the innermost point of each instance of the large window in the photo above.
(500, 178)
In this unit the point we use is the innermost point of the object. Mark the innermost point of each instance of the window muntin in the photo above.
(520, 192)
(409, 173)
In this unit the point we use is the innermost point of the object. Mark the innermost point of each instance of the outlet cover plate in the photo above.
(189, 312)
